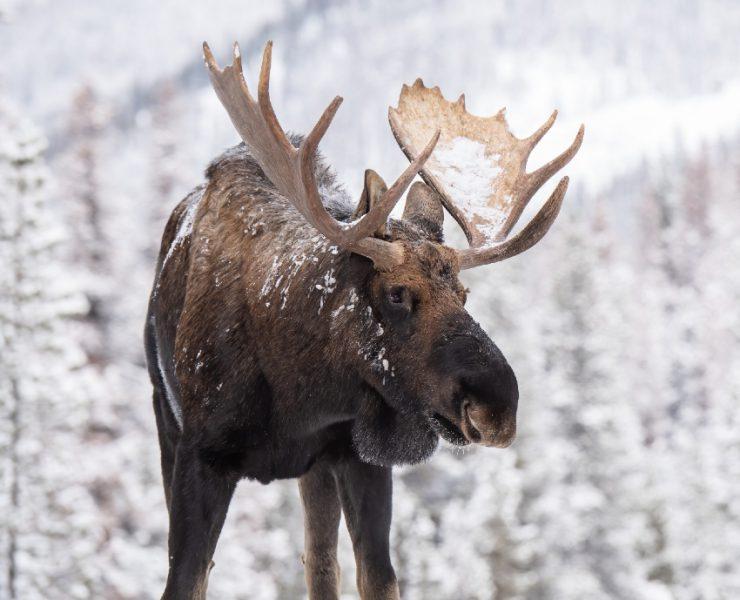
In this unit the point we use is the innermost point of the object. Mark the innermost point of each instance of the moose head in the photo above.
(436, 366)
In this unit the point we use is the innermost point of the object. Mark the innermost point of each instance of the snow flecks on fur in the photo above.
(198, 361)
(369, 346)
(326, 287)
(347, 307)
(254, 224)
(283, 270)
(185, 227)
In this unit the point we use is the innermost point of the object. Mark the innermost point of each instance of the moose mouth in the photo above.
(447, 430)
(466, 432)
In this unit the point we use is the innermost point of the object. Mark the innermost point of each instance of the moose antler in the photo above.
(478, 168)
(291, 169)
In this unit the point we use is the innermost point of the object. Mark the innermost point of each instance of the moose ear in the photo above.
(374, 188)
(424, 209)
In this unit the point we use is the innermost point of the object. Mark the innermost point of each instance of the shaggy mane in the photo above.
(334, 196)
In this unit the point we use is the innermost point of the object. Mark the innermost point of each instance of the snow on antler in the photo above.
(478, 168)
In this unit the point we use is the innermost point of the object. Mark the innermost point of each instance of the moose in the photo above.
(293, 334)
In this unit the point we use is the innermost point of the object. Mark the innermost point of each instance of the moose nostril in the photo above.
(483, 425)
(496, 386)
(471, 428)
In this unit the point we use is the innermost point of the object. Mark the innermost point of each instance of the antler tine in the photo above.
(533, 181)
(533, 139)
(263, 98)
(518, 206)
(237, 62)
(382, 209)
(208, 56)
(536, 179)
(357, 235)
(524, 240)
(314, 209)
(213, 65)
(311, 141)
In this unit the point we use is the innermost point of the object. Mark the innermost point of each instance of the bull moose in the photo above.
(293, 334)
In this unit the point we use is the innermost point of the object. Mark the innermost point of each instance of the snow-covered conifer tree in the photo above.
(79, 170)
(584, 473)
(48, 513)
(693, 517)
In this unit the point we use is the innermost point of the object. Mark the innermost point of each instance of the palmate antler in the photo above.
(478, 168)
(291, 169)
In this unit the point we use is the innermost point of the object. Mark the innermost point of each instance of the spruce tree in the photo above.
(51, 533)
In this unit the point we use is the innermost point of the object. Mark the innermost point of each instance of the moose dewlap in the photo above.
(293, 333)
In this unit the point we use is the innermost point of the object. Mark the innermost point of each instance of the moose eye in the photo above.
(398, 303)
(396, 295)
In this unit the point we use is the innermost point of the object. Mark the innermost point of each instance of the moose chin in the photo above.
(293, 333)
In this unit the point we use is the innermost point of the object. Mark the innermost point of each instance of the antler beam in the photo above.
(291, 169)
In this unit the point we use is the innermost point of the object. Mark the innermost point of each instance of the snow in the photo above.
(617, 132)
(327, 286)
(283, 272)
(348, 306)
(185, 227)
(471, 176)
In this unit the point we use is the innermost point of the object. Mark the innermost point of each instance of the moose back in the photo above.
(292, 332)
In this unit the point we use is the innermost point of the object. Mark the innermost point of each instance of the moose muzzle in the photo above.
(485, 406)
(488, 408)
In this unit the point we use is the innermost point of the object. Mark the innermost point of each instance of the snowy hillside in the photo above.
(621, 68)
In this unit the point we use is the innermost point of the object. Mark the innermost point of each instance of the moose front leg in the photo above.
(366, 491)
(321, 517)
(200, 499)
